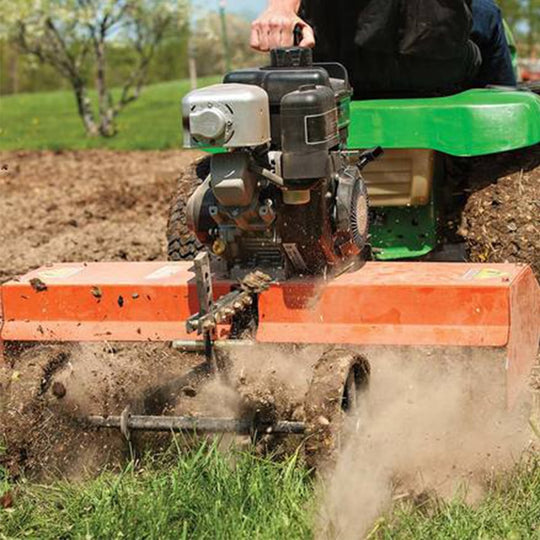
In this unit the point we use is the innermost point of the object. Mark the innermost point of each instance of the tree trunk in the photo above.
(84, 108)
(107, 127)
(14, 70)
(530, 34)
(533, 28)
(192, 62)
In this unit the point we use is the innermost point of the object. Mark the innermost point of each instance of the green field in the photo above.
(50, 121)
(207, 494)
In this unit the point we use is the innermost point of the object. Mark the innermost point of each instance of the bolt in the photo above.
(207, 326)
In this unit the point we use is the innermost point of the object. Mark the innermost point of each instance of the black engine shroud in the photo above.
(297, 204)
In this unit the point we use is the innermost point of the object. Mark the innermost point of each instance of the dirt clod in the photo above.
(96, 292)
(6, 500)
(58, 390)
(189, 391)
(38, 285)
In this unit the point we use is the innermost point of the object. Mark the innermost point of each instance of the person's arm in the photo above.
(275, 27)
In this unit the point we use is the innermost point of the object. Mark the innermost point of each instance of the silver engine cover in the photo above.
(226, 115)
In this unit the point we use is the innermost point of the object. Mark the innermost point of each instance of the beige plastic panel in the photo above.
(400, 178)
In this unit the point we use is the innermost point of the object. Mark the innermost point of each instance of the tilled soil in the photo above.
(84, 206)
(501, 217)
(103, 205)
(78, 206)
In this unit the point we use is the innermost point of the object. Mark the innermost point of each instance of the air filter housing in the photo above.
(226, 115)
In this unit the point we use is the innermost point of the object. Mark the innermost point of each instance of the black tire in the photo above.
(182, 244)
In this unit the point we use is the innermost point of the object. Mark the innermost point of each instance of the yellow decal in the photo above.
(485, 273)
(490, 273)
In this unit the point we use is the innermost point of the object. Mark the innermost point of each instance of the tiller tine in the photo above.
(225, 308)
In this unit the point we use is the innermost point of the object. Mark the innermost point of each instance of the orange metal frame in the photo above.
(446, 304)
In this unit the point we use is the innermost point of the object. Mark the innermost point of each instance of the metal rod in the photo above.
(224, 344)
(203, 424)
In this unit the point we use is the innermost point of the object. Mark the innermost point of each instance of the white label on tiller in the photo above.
(60, 273)
(163, 272)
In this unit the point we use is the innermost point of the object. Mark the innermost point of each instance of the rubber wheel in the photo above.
(182, 245)
(340, 379)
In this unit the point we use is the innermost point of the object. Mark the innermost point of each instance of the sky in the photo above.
(248, 8)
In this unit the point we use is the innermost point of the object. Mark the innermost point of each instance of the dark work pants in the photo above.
(488, 34)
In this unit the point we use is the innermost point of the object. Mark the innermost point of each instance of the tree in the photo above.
(208, 44)
(72, 35)
(511, 10)
(524, 19)
(533, 19)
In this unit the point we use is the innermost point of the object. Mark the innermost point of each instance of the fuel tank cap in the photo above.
(291, 57)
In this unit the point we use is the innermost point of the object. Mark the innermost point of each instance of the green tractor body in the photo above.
(416, 134)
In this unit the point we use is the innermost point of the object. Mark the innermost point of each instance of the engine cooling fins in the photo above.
(352, 207)
(359, 214)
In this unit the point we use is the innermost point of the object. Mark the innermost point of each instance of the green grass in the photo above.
(511, 510)
(203, 493)
(50, 121)
(4, 477)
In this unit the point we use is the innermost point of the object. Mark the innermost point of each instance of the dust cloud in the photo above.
(273, 380)
(430, 426)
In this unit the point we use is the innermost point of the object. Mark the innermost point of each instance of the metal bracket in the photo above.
(364, 156)
(211, 313)
(204, 282)
(124, 423)
(205, 295)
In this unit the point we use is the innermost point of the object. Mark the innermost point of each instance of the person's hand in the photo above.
(275, 28)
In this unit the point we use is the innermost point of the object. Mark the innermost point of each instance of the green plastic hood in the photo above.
(473, 123)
